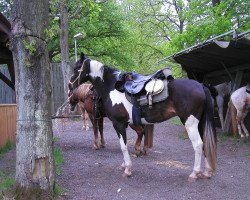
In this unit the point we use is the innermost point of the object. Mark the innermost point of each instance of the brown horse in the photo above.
(188, 99)
(90, 103)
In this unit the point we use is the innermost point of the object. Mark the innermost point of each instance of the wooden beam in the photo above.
(232, 69)
(7, 81)
(149, 135)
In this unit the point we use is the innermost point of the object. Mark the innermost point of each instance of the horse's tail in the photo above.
(207, 127)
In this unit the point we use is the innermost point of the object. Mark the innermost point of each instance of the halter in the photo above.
(80, 72)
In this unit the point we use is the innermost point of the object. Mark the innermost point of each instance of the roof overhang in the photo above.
(216, 57)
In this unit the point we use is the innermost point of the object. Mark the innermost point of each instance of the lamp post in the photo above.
(78, 35)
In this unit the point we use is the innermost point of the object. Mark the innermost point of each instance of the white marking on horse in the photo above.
(126, 155)
(119, 98)
(241, 100)
(191, 125)
(96, 69)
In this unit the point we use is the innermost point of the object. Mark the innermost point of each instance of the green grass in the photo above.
(7, 183)
(176, 121)
(8, 146)
(183, 135)
(6, 179)
(59, 160)
(248, 154)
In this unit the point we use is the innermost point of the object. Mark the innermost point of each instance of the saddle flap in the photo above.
(154, 86)
(134, 87)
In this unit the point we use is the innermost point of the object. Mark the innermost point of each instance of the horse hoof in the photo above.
(145, 152)
(96, 147)
(192, 179)
(127, 174)
(205, 176)
(138, 153)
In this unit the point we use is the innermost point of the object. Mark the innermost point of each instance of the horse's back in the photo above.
(240, 97)
(188, 97)
(186, 88)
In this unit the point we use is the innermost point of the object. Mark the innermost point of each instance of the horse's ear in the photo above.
(82, 57)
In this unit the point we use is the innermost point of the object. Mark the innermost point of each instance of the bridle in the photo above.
(80, 72)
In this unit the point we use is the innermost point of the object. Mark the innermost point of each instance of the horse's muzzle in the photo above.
(72, 108)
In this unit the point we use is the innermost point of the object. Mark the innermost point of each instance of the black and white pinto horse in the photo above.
(241, 101)
(187, 98)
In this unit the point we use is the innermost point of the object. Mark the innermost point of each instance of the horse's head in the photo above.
(72, 101)
(86, 70)
(81, 72)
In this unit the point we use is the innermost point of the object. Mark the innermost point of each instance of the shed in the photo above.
(5, 53)
(218, 60)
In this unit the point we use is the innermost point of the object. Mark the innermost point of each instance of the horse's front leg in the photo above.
(86, 121)
(100, 127)
(191, 126)
(121, 132)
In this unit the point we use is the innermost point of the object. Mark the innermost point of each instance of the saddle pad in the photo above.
(154, 86)
(143, 100)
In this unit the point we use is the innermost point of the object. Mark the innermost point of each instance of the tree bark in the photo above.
(64, 45)
(34, 157)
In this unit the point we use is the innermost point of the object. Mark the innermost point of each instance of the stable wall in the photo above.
(7, 123)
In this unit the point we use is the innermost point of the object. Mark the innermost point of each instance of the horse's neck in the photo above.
(107, 84)
(81, 92)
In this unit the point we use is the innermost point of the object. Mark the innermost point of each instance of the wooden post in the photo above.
(233, 117)
(149, 135)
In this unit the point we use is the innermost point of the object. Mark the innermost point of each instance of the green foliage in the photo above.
(134, 35)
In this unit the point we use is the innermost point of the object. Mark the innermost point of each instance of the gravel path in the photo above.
(95, 174)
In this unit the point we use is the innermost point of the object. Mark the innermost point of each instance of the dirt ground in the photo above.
(96, 174)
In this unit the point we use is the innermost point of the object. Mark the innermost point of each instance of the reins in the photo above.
(77, 79)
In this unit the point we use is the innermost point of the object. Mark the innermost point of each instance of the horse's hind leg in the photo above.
(239, 118)
(95, 129)
(139, 130)
(220, 101)
(191, 126)
(121, 132)
(100, 127)
(243, 125)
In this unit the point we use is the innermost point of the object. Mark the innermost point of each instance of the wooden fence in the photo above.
(7, 95)
(7, 123)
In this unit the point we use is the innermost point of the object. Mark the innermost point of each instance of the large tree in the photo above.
(34, 158)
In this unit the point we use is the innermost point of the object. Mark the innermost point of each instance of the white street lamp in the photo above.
(78, 35)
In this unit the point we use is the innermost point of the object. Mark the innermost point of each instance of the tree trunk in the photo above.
(34, 157)
(64, 37)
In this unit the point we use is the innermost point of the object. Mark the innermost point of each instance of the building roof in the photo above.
(217, 58)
